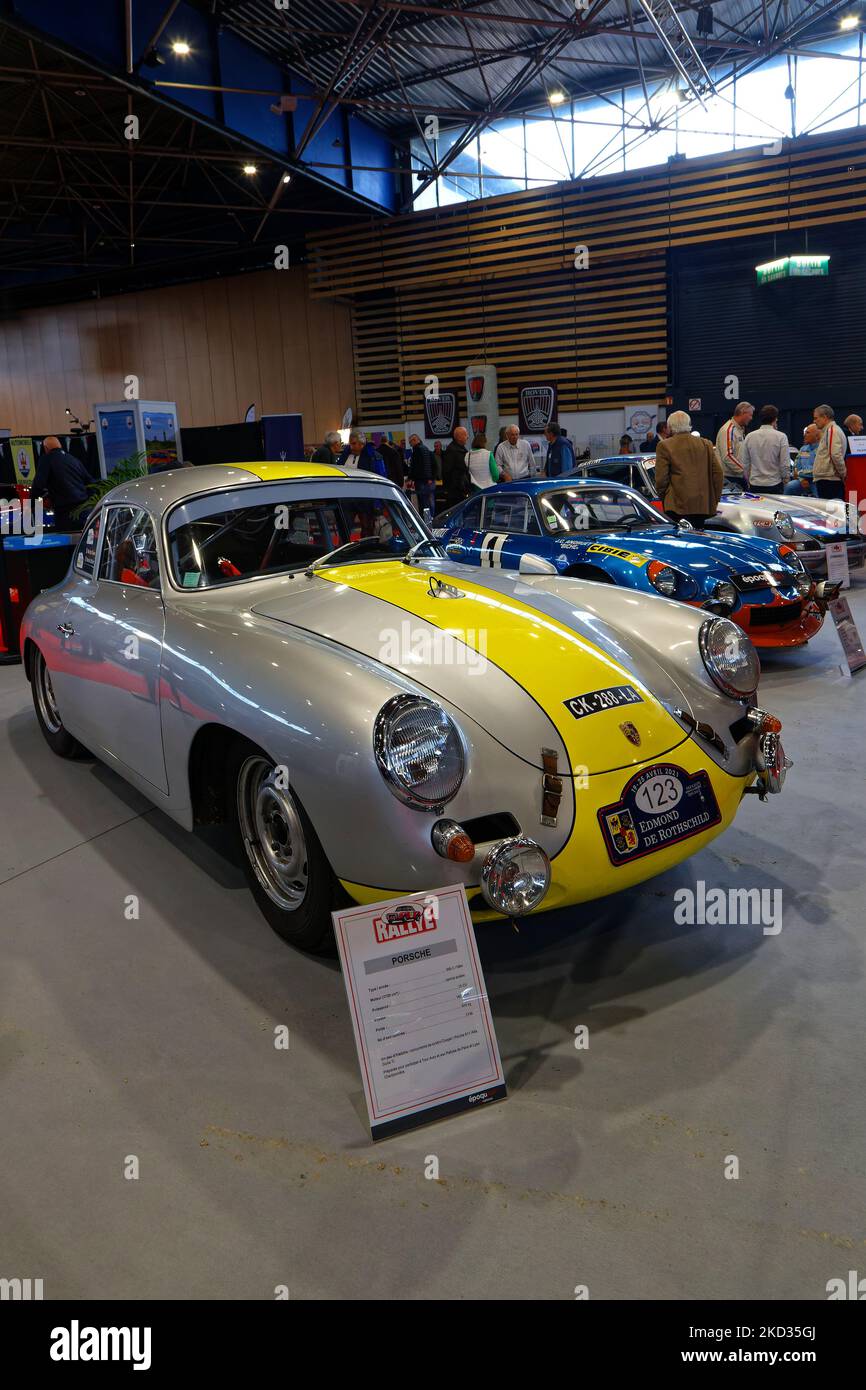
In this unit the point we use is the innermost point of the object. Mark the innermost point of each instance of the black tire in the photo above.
(59, 740)
(292, 866)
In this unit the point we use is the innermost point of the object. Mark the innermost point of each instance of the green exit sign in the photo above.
(791, 267)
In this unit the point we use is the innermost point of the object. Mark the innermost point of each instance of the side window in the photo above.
(471, 515)
(643, 483)
(129, 554)
(613, 473)
(85, 555)
(509, 512)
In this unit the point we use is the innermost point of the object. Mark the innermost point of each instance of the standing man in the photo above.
(329, 451)
(854, 424)
(804, 465)
(422, 473)
(359, 454)
(514, 455)
(455, 475)
(392, 457)
(650, 442)
(688, 473)
(730, 438)
(830, 470)
(766, 456)
(560, 455)
(66, 482)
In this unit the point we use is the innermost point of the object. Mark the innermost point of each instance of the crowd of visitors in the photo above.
(690, 471)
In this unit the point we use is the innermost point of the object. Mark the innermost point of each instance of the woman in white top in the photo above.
(483, 468)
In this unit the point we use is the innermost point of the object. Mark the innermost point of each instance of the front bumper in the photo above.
(786, 622)
(582, 870)
(814, 560)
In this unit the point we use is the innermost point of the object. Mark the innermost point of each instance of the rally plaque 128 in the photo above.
(420, 1013)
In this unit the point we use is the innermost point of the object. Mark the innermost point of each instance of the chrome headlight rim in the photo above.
(655, 578)
(804, 584)
(497, 884)
(393, 710)
(784, 525)
(729, 597)
(705, 636)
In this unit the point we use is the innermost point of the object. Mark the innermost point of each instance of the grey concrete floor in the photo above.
(604, 1167)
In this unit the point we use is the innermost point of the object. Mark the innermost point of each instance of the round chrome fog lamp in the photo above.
(804, 585)
(515, 876)
(725, 593)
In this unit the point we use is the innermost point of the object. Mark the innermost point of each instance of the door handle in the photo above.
(66, 628)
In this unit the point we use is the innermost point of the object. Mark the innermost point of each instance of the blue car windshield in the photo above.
(573, 510)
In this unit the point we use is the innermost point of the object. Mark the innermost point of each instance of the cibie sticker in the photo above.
(658, 806)
(594, 701)
(629, 555)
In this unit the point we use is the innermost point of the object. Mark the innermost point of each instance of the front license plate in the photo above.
(657, 807)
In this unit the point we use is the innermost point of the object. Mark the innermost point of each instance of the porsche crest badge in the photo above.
(630, 732)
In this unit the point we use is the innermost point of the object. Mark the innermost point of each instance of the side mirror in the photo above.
(536, 564)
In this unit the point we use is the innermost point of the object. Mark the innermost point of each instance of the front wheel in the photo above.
(286, 868)
(59, 740)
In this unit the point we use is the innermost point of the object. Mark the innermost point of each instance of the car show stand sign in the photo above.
(420, 1013)
(852, 643)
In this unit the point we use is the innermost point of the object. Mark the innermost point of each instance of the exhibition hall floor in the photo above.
(604, 1168)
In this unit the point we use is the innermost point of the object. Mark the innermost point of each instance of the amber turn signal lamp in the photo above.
(771, 725)
(450, 841)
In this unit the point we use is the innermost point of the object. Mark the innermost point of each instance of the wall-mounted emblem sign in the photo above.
(536, 407)
(440, 415)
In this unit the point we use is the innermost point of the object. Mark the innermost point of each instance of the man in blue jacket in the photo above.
(560, 455)
(359, 454)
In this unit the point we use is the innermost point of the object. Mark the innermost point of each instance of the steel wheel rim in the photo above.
(47, 699)
(273, 834)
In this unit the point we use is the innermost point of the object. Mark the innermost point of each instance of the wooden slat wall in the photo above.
(600, 335)
(213, 348)
(496, 280)
(819, 180)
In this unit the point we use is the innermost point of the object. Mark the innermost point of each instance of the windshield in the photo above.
(212, 544)
(576, 509)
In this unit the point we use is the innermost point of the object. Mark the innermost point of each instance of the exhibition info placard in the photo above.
(420, 1013)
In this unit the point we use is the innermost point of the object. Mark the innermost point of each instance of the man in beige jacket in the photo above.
(829, 469)
(688, 473)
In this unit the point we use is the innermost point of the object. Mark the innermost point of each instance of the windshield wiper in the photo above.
(362, 541)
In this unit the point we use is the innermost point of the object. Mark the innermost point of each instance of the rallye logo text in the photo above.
(408, 920)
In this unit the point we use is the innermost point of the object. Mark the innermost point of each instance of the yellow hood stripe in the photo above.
(550, 661)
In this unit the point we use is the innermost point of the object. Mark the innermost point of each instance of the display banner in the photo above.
(420, 1013)
(837, 563)
(440, 415)
(852, 643)
(536, 407)
(640, 420)
(22, 459)
(482, 400)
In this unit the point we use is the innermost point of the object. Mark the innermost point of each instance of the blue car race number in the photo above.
(658, 806)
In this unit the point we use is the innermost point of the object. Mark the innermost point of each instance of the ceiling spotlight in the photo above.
(181, 48)
(556, 98)
(705, 20)
(287, 178)
(849, 21)
(153, 59)
(251, 168)
(680, 95)
(790, 94)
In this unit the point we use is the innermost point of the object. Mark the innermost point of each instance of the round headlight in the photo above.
(419, 751)
(729, 657)
(784, 525)
(724, 592)
(515, 876)
(804, 585)
(663, 578)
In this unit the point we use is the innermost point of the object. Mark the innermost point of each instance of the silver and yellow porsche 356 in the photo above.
(287, 648)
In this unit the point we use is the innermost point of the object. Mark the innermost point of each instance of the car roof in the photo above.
(537, 485)
(619, 458)
(157, 491)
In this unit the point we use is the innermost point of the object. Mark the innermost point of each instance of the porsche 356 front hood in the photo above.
(511, 668)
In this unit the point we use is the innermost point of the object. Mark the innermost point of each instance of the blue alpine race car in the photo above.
(606, 532)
